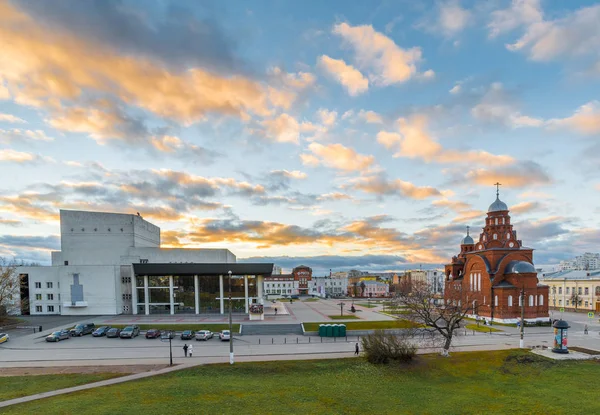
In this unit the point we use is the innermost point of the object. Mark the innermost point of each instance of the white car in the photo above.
(204, 335)
(4, 337)
(225, 335)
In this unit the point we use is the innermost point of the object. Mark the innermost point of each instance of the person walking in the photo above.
(275, 310)
(185, 349)
(356, 349)
(190, 349)
(585, 330)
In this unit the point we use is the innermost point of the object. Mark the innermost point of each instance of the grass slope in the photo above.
(481, 328)
(17, 386)
(467, 383)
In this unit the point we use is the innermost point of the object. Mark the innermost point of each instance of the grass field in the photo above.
(481, 328)
(344, 317)
(466, 383)
(17, 386)
(367, 305)
(365, 325)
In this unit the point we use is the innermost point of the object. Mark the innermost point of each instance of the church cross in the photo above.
(497, 184)
(468, 227)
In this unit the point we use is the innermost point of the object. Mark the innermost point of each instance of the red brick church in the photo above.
(489, 274)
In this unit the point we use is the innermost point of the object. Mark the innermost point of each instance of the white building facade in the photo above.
(328, 286)
(93, 273)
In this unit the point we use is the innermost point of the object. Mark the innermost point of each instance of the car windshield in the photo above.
(226, 332)
(56, 333)
(128, 329)
(101, 328)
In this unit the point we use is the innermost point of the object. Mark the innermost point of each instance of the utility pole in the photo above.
(522, 342)
(230, 325)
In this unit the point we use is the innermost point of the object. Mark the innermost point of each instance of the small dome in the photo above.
(519, 267)
(497, 206)
(468, 241)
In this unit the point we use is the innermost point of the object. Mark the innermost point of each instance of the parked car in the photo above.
(167, 334)
(101, 331)
(152, 334)
(130, 332)
(4, 337)
(188, 334)
(225, 335)
(295, 297)
(82, 329)
(58, 336)
(113, 333)
(204, 335)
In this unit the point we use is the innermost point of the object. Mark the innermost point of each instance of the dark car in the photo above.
(188, 335)
(152, 334)
(295, 297)
(113, 333)
(101, 331)
(58, 336)
(130, 332)
(167, 334)
(82, 329)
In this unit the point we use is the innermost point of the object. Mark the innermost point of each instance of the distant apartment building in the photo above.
(296, 283)
(587, 261)
(277, 270)
(376, 289)
(573, 289)
(434, 278)
(328, 287)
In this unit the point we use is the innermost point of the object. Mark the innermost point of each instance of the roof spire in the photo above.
(468, 230)
(497, 184)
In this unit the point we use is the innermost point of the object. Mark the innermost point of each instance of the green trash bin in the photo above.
(322, 331)
(342, 330)
(336, 330)
(329, 331)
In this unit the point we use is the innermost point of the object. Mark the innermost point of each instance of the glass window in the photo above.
(579, 290)
(568, 290)
(48, 285)
(560, 290)
(38, 285)
(38, 297)
(587, 291)
(510, 300)
(38, 308)
(51, 309)
(50, 296)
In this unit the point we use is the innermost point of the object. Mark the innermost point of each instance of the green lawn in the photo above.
(367, 305)
(17, 386)
(466, 383)
(344, 317)
(180, 327)
(365, 325)
(481, 328)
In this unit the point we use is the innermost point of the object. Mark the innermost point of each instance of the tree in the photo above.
(10, 288)
(363, 286)
(437, 316)
(575, 299)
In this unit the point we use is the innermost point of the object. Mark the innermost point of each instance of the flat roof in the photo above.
(215, 269)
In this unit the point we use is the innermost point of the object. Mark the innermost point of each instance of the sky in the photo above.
(338, 134)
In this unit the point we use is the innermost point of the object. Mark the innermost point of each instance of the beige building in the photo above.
(573, 289)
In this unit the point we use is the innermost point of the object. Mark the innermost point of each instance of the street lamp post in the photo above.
(170, 350)
(522, 342)
(230, 325)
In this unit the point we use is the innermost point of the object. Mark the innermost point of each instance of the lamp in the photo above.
(230, 325)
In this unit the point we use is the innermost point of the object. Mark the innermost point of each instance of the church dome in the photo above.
(497, 206)
(519, 267)
(468, 241)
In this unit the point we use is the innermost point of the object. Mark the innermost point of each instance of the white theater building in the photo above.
(112, 263)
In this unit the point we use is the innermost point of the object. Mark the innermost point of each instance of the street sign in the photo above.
(591, 315)
(562, 310)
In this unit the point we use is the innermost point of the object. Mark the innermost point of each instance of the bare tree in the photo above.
(438, 317)
(576, 299)
(9, 288)
(363, 286)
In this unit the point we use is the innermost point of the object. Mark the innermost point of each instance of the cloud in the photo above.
(336, 156)
(453, 18)
(327, 117)
(518, 175)
(11, 118)
(347, 75)
(414, 141)
(294, 174)
(585, 120)
(456, 88)
(18, 135)
(13, 156)
(376, 53)
(575, 34)
(370, 117)
(520, 13)
(27, 241)
(44, 67)
(381, 186)
(526, 207)
(297, 81)
(283, 129)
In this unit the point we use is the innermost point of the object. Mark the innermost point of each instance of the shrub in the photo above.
(381, 347)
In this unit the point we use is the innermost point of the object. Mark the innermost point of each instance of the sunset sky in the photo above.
(334, 134)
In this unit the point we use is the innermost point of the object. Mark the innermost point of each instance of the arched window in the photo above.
(496, 300)
(471, 282)
(531, 301)
(503, 221)
(508, 235)
(495, 236)
(541, 300)
(510, 300)
(496, 221)
(479, 282)
(520, 301)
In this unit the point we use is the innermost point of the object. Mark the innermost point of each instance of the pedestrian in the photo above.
(585, 330)
(185, 349)
(356, 349)
(190, 349)
(275, 310)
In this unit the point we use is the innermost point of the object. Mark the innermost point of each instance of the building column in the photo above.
(146, 296)
(221, 302)
(171, 299)
(196, 295)
(246, 293)
(259, 289)
(134, 297)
